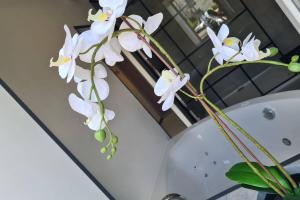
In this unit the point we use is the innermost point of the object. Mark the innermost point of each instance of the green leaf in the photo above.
(274, 51)
(294, 67)
(295, 196)
(100, 135)
(244, 175)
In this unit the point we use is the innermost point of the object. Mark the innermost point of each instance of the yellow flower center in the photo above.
(229, 42)
(60, 61)
(168, 76)
(99, 16)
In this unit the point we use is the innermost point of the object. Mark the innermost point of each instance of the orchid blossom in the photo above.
(82, 76)
(225, 48)
(250, 49)
(110, 52)
(68, 53)
(95, 119)
(105, 19)
(117, 6)
(167, 86)
(130, 41)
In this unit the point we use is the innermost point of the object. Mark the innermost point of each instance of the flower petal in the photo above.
(109, 114)
(153, 23)
(81, 74)
(94, 122)
(89, 38)
(147, 50)
(102, 87)
(223, 32)
(112, 52)
(182, 82)
(215, 40)
(87, 57)
(80, 106)
(71, 70)
(104, 28)
(135, 23)
(63, 70)
(168, 103)
(161, 86)
(112, 4)
(218, 56)
(130, 42)
(84, 89)
(68, 45)
(100, 71)
(246, 40)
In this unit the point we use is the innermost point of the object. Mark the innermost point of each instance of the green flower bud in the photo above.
(113, 151)
(114, 140)
(103, 150)
(274, 51)
(295, 59)
(294, 67)
(100, 135)
(108, 157)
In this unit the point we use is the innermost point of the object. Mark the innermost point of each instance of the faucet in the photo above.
(173, 196)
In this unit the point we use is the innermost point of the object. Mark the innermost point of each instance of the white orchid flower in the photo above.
(110, 52)
(85, 74)
(167, 86)
(89, 38)
(91, 111)
(117, 6)
(83, 77)
(67, 54)
(103, 21)
(250, 49)
(224, 47)
(130, 41)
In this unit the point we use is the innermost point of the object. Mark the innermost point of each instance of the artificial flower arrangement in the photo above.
(102, 45)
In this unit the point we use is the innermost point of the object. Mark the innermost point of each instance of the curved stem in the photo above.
(237, 64)
(241, 154)
(239, 128)
(190, 86)
(254, 141)
(189, 95)
(94, 88)
(210, 62)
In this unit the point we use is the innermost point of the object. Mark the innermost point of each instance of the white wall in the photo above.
(31, 33)
(33, 166)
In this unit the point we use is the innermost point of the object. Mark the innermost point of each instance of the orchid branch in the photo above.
(227, 65)
(237, 149)
(100, 103)
(194, 91)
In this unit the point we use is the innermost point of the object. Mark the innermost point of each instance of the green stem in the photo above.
(162, 50)
(165, 53)
(189, 95)
(227, 65)
(239, 128)
(254, 141)
(94, 88)
(210, 62)
(241, 154)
